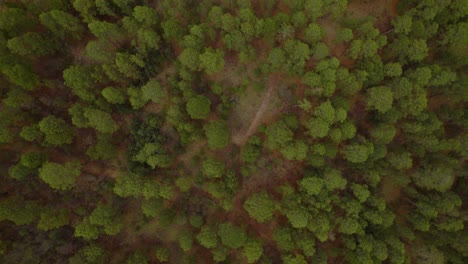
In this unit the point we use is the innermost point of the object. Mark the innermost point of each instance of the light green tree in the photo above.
(253, 250)
(278, 134)
(356, 153)
(260, 206)
(207, 237)
(153, 91)
(60, 176)
(212, 167)
(212, 61)
(100, 120)
(56, 131)
(380, 98)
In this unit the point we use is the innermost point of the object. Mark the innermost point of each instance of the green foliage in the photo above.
(298, 217)
(103, 29)
(380, 98)
(19, 172)
(31, 133)
(186, 241)
(162, 254)
(232, 236)
(294, 259)
(153, 91)
(60, 176)
(212, 61)
(15, 20)
(253, 250)
(437, 177)
(402, 24)
(278, 134)
(358, 158)
(345, 35)
(94, 254)
(311, 185)
(136, 98)
(348, 226)
(81, 80)
(383, 133)
(22, 76)
(30, 44)
(51, 219)
(129, 184)
(19, 211)
(360, 191)
(145, 15)
(260, 206)
(251, 150)
(100, 50)
(56, 131)
(393, 69)
(32, 160)
(152, 154)
(198, 107)
(297, 53)
(313, 33)
(137, 258)
(6, 136)
(62, 24)
(127, 64)
(100, 120)
(333, 180)
(189, 58)
(106, 218)
(317, 127)
(283, 239)
(321, 51)
(86, 8)
(218, 134)
(207, 237)
(103, 149)
(114, 95)
(356, 153)
(400, 160)
(152, 207)
(296, 150)
(212, 167)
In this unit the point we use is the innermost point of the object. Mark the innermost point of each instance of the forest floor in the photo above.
(254, 108)
(241, 137)
(382, 10)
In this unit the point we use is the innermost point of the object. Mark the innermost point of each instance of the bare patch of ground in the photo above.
(191, 151)
(253, 110)
(383, 10)
(391, 191)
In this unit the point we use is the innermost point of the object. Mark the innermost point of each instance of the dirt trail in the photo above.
(242, 139)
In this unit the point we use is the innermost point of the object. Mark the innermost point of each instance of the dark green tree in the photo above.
(218, 134)
(232, 236)
(198, 107)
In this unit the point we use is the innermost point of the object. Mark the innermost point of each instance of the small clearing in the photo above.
(260, 115)
(391, 191)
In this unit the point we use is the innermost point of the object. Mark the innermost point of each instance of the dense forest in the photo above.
(233, 131)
